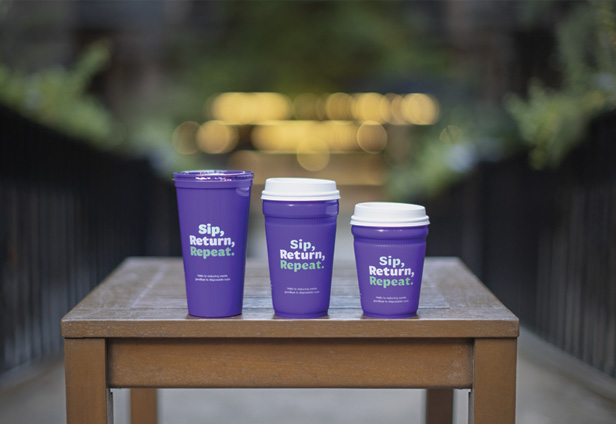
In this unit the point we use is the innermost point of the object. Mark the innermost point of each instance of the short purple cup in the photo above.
(390, 247)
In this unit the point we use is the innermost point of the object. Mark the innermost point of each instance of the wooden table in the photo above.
(133, 331)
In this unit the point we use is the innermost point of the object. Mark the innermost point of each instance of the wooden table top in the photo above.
(146, 298)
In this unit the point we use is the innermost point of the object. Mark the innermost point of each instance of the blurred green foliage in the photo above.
(319, 47)
(59, 97)
(446, 152)
(314, 47)
(547, 122)
(553, 121)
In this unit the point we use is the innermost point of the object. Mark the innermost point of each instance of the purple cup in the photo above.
(213, 210)
(390, 247)
(300, 228)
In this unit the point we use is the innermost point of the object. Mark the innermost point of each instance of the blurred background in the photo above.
(498, 116)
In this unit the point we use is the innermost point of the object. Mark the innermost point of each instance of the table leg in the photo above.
(439, 406)
(492, 398)
(88, 399)
(143, 406)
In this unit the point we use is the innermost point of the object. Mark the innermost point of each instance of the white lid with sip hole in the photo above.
(389, 214)
(299, 189)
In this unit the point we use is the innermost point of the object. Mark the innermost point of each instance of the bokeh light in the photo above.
(420, 109)
(313, 154)
(250, 108)
(371, 137)
(339, 135)
(217, 137)
(271, 106)
(392, 109)
(184, 137)
(281, 135)
(338, 122)
(339, 106)
(233, 107)
(368, 107)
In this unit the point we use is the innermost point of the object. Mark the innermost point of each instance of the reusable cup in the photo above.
(300, 228)
(213, 210)
(390, 247)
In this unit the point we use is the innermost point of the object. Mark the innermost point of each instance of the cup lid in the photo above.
(212, 178)
(299, 189)
(389, 214)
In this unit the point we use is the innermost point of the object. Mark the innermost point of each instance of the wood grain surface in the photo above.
(288, 363)
(492, 398)
(88, 399)
(145, 297)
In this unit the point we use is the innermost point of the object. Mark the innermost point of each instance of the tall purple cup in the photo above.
(300, 228)
(390, 247)
(213, 210)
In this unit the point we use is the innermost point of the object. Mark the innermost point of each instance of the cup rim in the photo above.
(212, 175)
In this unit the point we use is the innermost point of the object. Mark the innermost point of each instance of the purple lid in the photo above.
(213, 178)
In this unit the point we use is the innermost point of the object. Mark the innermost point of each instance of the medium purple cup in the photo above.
(390, 247)
(300, 228)
(213, 210)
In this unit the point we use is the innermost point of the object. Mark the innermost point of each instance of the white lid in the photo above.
(389, 214)
(299, 189)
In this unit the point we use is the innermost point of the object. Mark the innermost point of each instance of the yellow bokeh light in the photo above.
(283, 136)
(385, 110)
(339, 106)
(339, 135)
(250, 108)
(268, 136)
(184, 138)
(239, 108)
(217, 137)
(392, 103)
(371, 137)
(313, 155)
(270, 107)
(367, 107)
(340, 121)
(420, 109)
(233, 107)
